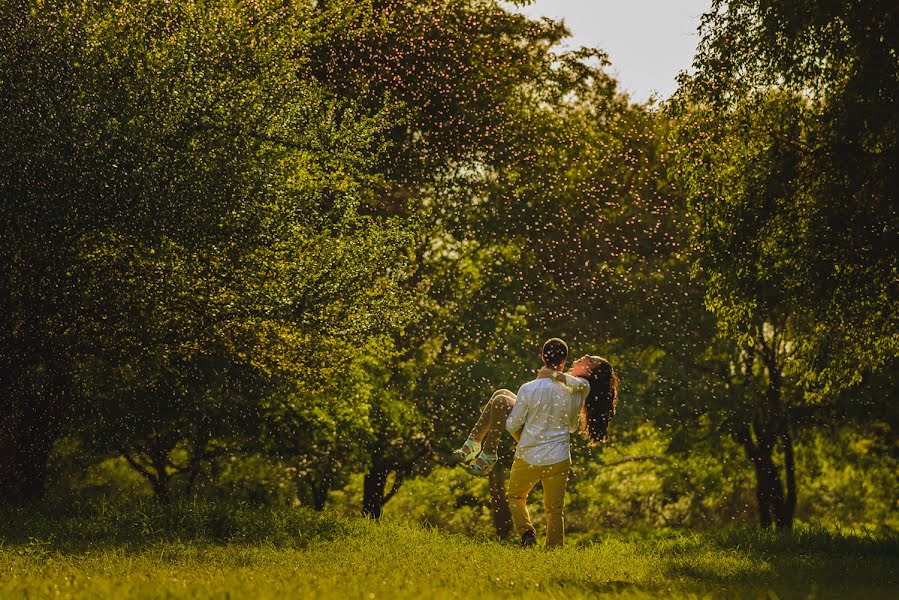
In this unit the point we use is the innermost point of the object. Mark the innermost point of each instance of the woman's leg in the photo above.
(489, 430)
(500, 406)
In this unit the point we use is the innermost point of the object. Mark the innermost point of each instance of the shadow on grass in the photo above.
(809, 539)
(80, 528)
(807, 562)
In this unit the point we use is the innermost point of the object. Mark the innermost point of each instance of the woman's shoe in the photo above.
(482, 465)
(468, 452)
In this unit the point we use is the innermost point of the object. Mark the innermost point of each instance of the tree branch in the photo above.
(139, 467)
(397, 482)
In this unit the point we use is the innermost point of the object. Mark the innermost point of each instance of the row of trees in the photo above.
(321, 232)
(790, 162)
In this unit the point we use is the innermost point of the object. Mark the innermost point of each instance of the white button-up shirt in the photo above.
(546, 413)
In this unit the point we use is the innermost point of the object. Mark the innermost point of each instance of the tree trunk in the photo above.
(32, 460)
(10, 393)
(373, 487)
(162, 481)
(771, 489)
(154, 468)
(502, 516)
(192, 475)
(777, 429)
(771, 425)
(789, 507)
(320, 491)
(10, 478)
(774, 508)
(29, 427)
(763, 494)
(161, 490)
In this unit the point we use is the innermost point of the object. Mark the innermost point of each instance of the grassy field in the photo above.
(212, 551)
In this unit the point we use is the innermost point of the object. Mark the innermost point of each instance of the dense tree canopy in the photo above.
(786, 149)
(796, 135)
(181, 222)
(296, 245)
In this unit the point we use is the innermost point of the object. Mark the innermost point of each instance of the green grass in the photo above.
(232, 551)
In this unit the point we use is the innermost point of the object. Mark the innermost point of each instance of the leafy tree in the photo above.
(785, 154)
(182, 235)
(553, 164)
(454, 69)
(819, 83)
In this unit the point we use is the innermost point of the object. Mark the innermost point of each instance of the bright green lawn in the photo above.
(216, 551)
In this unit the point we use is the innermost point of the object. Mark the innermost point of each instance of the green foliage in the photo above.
(790, 160)
(850, 479)
(251, 249)
(447, 499)
(75, 473)
(784, 145)
(200, 240)
(639, 483)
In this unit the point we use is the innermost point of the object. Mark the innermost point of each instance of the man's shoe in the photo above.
(528, 539)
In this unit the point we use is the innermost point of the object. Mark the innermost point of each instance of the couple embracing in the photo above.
(541, 417)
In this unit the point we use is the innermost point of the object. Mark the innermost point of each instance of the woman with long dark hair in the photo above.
(602, 401)
(479, 452)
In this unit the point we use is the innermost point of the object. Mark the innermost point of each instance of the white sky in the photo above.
(648, 41)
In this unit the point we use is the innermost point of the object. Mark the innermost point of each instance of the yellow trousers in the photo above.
(553, 478)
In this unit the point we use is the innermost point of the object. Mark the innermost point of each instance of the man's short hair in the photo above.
(555, 351)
